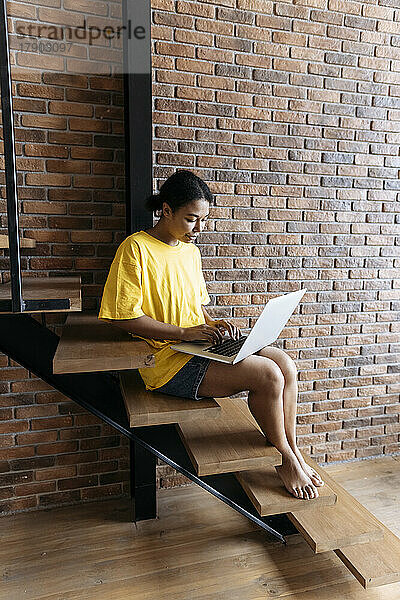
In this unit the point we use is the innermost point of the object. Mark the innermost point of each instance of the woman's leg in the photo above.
(290, 392)
(264, 380)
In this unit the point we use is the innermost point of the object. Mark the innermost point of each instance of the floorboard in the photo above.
(198, 549)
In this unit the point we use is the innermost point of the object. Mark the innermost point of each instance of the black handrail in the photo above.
(138, 113)
(17, 303)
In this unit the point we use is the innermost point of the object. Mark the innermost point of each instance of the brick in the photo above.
(34, 488)
(51, 423)
(293, 39)
(16, 452)
(175, 49)
(16, 505)
(57, 498)
(103, 467)
(270, 21)
(63, 79)
(76, 482)
(213, 26)
(103, 491)
(194, 66)
(40, 91)
(13, 426)
(46, 122)
(39, 437)
(77, 458)
(193, 9)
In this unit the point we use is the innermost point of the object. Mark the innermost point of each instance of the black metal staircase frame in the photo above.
(138, 104)
(33, 346)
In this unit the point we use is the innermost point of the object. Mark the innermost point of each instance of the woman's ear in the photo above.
(166, 210)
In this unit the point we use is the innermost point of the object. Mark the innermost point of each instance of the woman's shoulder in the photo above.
(142, 238)
(136, 237)
(134, 240)
(141, 243)
(129, 248)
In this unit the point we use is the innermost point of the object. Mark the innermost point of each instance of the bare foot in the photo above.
(312, 473)
(294, 478)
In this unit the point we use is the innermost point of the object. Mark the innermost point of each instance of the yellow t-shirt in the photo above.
(166, 283)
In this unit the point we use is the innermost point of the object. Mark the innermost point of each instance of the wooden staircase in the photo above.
(50, 288)
(231, 441)
(222, 437)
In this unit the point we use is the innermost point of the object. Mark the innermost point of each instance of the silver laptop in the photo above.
(266, 330)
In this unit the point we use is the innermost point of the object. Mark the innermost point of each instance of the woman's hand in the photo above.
(222, 325)
(204, 333)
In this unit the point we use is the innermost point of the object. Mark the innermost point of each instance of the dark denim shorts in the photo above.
(187, 380)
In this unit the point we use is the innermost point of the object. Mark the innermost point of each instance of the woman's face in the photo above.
(188, 221)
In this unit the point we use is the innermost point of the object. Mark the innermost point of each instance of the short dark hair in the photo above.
(179, 189)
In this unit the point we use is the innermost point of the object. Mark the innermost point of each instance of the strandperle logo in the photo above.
(81, 33)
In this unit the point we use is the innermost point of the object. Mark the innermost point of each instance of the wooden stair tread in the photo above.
(23, 242)
(373, 563)
(37, 288)
(333, 527)
(346, 526)
(88, 344)
(269, 496)
(154, 408)
(228, 443)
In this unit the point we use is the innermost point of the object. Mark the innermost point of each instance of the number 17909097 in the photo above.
(47, 47)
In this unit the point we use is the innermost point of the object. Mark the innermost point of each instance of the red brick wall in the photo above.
(291, 113)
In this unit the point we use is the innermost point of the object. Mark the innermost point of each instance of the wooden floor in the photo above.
(198, 548)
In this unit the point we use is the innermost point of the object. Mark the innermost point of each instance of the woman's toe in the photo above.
(316, 479)
(310, 490)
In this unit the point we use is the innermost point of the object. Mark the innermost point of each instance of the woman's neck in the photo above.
(160, 234)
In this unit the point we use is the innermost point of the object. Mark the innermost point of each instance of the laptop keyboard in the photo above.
(228, 347)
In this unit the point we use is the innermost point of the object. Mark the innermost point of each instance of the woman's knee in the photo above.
(269, 377)
(289, 369)
(285, 363)
(254, 373)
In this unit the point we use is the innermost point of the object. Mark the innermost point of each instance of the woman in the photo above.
(155, 290)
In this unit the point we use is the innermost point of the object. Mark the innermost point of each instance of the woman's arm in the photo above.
(222, 325)
(150, 328)
(207, 317)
